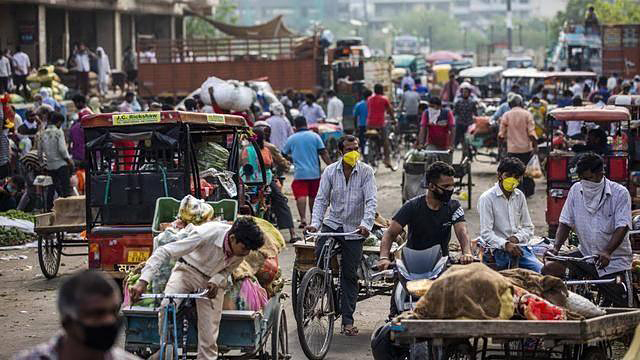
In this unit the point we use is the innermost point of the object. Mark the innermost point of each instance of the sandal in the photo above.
(303, 225)
(295, 239)
(352, 331)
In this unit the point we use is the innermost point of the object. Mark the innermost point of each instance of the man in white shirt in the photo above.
(335, 107)
(612, 81)
(599, 211)
(83, 67)
(311, 111)
(205, 259)
(21, 68)
(5, 71)
(408, 80)
(505, 223)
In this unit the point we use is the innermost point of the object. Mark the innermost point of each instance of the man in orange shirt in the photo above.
(377, 106)
(518, 129)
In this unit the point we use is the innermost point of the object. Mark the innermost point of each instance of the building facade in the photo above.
(298, 14)
(47, 29)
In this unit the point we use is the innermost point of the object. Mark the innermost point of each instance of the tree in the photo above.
(225, 11)
(618, 12)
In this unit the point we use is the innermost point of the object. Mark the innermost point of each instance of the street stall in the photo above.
(135, 158)
(560, 160)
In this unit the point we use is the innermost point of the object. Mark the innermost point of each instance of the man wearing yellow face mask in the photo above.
(348, 190)
(505, 223)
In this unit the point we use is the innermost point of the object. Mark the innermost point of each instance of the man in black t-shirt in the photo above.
(430, 217)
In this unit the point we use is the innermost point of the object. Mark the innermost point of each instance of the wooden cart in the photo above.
(568, 339)
(52, 241)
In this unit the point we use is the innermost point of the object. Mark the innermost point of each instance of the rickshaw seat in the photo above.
(372, 133)
(120, 230)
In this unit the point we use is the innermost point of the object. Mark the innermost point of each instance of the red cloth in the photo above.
(377, 107)
(129, 154)
(438, 135)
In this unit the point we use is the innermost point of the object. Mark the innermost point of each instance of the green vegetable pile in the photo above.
(18, 215)
(11, 236)
(132, 278)
(212, 155)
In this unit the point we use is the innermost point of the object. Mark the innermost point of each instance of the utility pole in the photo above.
(520, 35)
(491, 40)
(430, 38)
(366, 21)
(509, 26)
(465, 39)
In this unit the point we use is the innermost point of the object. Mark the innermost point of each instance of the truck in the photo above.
(621, 50)
(177, 67)
(577, 50)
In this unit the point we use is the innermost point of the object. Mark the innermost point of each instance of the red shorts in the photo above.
(303, 188)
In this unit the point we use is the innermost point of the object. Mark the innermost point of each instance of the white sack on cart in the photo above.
(22, 225)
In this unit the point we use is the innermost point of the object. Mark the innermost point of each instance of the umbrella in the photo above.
(443, 56)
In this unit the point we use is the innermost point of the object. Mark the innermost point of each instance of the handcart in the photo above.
(54, 238)
(519, 339)
(243, 334)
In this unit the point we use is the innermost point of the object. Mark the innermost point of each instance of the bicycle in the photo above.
(318, 303)
(169, 333)
(584, 285)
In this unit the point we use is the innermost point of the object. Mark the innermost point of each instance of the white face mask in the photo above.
(592, 193)
(434, 114)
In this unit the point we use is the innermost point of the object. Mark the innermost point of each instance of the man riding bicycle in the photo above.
(599, 211)
(377, 106)
(348, 190)
(437, 129)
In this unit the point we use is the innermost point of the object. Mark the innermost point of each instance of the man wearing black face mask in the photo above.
(430, 217)
(89, 305)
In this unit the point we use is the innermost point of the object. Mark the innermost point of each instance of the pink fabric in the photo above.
(254, 296)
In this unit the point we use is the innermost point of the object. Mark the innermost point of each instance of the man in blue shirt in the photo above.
(360, 113)
(303, 148)
(423, 90)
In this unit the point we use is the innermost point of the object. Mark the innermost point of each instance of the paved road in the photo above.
(27, 300)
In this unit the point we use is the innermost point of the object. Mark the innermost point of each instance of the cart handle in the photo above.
(199, 295)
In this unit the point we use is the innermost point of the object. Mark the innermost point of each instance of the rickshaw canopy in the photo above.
(591, 114)
(480, 71)
(524, 73)
(163, 118)
(624, 100)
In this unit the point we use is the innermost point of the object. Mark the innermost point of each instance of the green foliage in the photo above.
(198, 28)
(618, 12)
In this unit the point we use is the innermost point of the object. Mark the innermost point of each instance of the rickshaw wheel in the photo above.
(315, 342)
(469, 184)
(295, 282)
(459, 351)
(279, 337)
(49, 253)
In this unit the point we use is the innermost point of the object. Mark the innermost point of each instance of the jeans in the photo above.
(528, 260)
(280, 208)
(461, 130)
(61, 184)
(351, 258)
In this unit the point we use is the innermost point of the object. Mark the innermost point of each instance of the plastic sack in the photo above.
(533, 170)
(228, 95)
(582, 306)
(533, 307)
(268, 272)
(194, 211)
(246, 294)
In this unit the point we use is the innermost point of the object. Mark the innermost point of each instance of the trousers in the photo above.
(280, 207)
(528, 260)
(185, 279)
(351, 257)
(61, 184)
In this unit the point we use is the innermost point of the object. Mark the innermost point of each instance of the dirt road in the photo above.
(28, 313)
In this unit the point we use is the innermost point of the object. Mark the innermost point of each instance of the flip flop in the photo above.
(295, 239)
(302, 225)
(353, 331)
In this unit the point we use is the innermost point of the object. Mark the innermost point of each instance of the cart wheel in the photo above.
(295, 284)
(459, 351)
(594, 353)
(49, 253)
(280, 337)
(315, 317)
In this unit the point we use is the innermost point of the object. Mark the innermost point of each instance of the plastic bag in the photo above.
(534, 170)
(194, 211)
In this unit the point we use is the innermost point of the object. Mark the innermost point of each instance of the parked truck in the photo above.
(621, 50)
(176, 67)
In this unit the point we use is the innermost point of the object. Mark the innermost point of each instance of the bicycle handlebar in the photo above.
(573, 259)
(199, 295)
(355, 232)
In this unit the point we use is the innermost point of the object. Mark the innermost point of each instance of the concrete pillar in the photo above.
(42, 35)
(172, 26)
(66, 49)
(117, 33)
(133, 33)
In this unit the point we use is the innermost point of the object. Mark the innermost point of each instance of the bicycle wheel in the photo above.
(295, 286)
(280, 337)
(315, 317)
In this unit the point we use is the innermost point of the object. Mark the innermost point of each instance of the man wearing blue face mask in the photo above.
(599, 211)
(11, 192)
